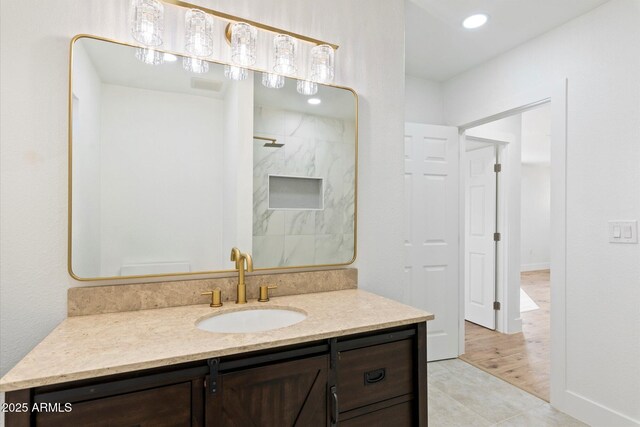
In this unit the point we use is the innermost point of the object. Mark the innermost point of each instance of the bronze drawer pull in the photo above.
(334, 406)
(373, 377)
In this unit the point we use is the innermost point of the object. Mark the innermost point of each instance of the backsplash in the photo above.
(88, 300)
(314, 146)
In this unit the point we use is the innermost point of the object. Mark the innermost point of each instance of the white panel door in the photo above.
(431, 233)
(480, 219)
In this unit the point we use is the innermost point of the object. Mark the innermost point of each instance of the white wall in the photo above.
(423, 102)
(237, 179)
(33, 184)
(598, 53)
(535, 226)
(166, 143)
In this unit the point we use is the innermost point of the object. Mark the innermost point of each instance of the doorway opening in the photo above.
(507, 188)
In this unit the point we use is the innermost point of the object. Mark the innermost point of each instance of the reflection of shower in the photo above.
(271, 142)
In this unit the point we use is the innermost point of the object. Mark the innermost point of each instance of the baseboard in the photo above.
(535, 267)
(593, 413)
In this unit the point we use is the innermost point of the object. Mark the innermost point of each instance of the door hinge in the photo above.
(496, 237)
(497, 167)
(496, 305)
(214, 365)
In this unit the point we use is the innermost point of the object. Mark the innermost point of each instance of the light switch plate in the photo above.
(623, 231)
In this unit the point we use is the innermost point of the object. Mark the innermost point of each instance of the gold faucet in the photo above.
(240, 260)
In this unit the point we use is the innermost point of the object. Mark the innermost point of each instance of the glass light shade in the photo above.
(149, 56)
(195, 65)
(272, 81)
(305, 87)
(285, 54)
(198, 33)
(147, 22)
(322, 68)
(235, 73)
(243, 44)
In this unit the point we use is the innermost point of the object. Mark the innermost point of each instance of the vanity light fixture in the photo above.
(169, 57)
(195, 65)
(198, 33)
(150, 56)
(198, 40)
(147, 22)
(243, 44)
(285, 54)
(322, 68)
(314, 101)
(233, 72)
(147, 25)
(306, 87)
(272, 81)
(475, 21)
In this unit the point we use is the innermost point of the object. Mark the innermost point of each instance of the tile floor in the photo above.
(462, 395)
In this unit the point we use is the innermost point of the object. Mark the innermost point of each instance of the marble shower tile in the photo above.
(299, 125)
(299, 222)
(330, 129)
(299, 250)
(268, 120)
(267, 222)
(328, 159)
(267, 157)
(345, 254)
(349, 132)
(299, 156)
(268, 251)
(328, 248)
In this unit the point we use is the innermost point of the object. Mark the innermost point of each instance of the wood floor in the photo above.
(521, 359)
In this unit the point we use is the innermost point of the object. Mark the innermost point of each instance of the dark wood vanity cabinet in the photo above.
(291, 393)
(370, 379)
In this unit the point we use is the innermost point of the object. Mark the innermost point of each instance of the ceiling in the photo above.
(438, 47)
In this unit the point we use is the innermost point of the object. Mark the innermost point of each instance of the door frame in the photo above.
(557, 94)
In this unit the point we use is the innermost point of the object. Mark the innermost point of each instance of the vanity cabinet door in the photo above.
(284, 394)
(162, 406)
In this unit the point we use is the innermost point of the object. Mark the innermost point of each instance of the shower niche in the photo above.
(296, 193)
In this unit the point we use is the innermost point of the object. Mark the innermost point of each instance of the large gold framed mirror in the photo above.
(169, 169)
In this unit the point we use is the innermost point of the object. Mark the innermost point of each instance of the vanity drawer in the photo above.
(162, 406)
(399, 415)
(373, 374)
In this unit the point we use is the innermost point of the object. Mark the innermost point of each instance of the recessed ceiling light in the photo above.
(314, 101)
(475, 21)
(169, 57)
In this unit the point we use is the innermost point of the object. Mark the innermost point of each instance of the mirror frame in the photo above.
(195, 273)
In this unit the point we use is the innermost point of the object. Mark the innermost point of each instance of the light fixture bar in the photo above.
(255, 24)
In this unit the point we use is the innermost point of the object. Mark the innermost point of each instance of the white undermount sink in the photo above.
(251, 320)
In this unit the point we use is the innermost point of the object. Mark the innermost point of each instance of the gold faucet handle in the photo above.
(216, 297)
(264, 292)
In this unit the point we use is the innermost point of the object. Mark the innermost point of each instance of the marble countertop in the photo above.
(105, 344)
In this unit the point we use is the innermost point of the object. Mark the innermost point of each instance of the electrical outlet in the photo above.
(623, 231)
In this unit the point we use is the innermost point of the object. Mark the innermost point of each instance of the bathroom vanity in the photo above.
(356, 359)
